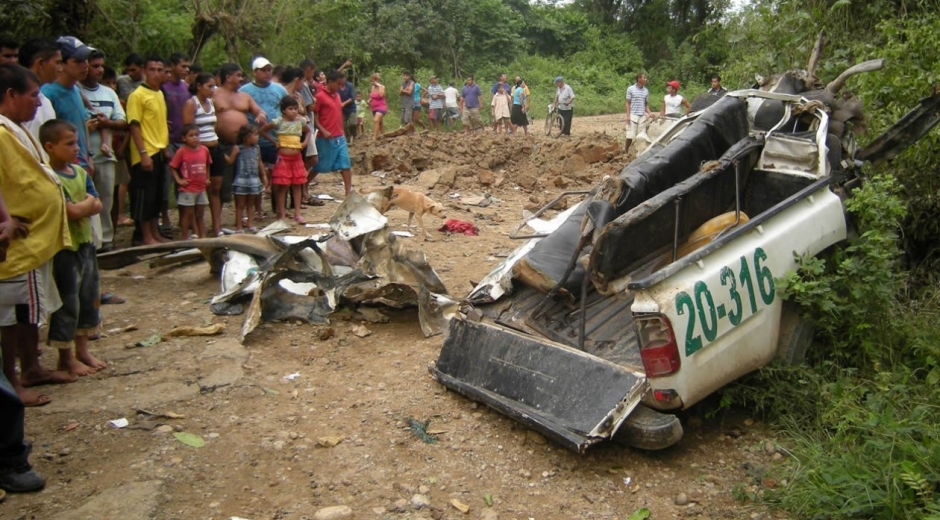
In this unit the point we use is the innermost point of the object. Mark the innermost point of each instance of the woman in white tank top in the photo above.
(200, 111)
(673, 102)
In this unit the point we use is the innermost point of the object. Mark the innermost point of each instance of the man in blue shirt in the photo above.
(268, 96)
(347, 95)
(470, 96)
(66, 98)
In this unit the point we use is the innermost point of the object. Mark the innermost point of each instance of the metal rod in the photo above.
(541, 210)
(584, 290)
(675, 230)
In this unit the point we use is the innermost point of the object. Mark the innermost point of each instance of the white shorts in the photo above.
(29, 298)
(637, 127)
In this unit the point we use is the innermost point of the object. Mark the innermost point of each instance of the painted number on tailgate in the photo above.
(700, 305)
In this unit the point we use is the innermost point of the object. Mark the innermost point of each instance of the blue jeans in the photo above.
(76, 275)
(13, 452)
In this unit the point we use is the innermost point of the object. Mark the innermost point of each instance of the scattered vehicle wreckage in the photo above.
(659, 287)
(272, 277)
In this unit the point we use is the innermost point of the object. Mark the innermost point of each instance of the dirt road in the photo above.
(300, 419)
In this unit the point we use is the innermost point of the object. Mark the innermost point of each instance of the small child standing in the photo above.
(74, 269)
(500, 109)
(190, 168)
(360, 115)
(250, 177)
(289, 171)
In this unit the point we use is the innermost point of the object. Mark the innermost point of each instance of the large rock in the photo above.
(132, 501)
(526, 181)
(594, 153)
(486, 177)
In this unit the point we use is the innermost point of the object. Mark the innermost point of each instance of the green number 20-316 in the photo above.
(705, 305)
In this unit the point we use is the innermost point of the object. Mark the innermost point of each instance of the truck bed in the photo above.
(609, 331)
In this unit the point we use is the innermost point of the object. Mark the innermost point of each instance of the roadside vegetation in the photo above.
(860, 419)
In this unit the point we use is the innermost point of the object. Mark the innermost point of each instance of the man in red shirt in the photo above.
(331, 142)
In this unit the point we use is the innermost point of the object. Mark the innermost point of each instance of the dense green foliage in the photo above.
(861, 418)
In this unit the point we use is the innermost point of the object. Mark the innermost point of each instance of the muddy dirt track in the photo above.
(304, 422)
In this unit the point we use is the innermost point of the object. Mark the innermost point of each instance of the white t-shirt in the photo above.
(105, 101)
(450, 97)
(673, 104)
(565, 97)
(44, 113)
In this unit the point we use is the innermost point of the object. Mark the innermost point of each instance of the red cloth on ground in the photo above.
(459, 226)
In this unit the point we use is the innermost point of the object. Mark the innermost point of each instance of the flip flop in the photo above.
(111, 298)
(300, 220)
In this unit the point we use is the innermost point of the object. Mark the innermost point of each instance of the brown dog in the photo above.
(416, 204)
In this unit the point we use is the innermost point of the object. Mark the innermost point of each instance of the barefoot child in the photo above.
(500, 107)
(250, 176)
(289, 171)
(75, 269)
(190, 168)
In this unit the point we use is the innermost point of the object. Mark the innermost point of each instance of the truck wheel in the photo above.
(648, 429)
(795, 336)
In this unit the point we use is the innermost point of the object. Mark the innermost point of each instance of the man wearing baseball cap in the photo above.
(673, 102)
(66, 98)
(268, 96)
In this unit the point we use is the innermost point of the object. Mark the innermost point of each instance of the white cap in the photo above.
(260, 63)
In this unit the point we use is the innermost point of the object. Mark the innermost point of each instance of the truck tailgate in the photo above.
(572, 397)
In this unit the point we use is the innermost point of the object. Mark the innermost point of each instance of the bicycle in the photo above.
(554, 123)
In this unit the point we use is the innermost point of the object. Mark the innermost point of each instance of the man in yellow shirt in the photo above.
(37, 212)
(146, 117)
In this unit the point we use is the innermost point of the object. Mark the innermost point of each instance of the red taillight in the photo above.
(657, 345)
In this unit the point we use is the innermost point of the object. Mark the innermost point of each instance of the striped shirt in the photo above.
(637, 98)
(205, 121)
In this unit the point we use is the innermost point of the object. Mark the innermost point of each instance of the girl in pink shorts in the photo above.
(289, 171)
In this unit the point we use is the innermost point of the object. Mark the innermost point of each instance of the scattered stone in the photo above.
(695, 495)
(326, 334)
(333, 513)
(424, 490)
(164, 428)
(489, 514)
(486, 178)
(681, 499)
(379, 510)
(460, 506)
(372, 315)
(777, 456)
(400, 506)
(329, 441)
(561, 182)
(64, 452)
(361, 331)
(770, 447)
(448, 177)
(420, 501)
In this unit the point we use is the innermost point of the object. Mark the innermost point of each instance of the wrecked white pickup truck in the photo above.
(659, 288)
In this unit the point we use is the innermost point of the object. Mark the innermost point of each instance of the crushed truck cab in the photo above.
(660, 287)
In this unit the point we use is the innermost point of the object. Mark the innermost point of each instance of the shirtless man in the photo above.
(231, 109)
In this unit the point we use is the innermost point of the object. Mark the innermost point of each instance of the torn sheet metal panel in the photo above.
(384, 255)
(356, 217)
(434, 311)
(569, 396)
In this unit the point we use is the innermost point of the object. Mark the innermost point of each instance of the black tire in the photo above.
(555, 125)
(795, 336)
(648, 429)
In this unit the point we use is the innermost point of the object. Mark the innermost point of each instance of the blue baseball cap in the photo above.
(559, 79)
(73, 48)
